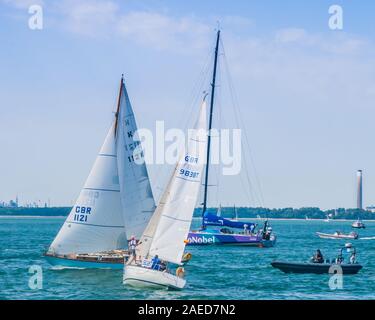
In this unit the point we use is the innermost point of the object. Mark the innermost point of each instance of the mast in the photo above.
(210, 122)
(118, 102)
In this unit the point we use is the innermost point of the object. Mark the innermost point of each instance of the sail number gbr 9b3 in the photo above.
(81, 213)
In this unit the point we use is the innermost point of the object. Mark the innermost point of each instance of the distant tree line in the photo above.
(291, 213)
(23, 211)
(227, 212)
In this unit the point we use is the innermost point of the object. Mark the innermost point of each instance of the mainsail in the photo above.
(215, 220)
(168, 228)
(136, 193)
(96, 223)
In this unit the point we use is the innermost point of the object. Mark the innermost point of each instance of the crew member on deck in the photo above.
(252, 228)
(132, 246)
(155, 263)
(245, 230)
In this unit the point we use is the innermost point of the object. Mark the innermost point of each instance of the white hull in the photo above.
(358, 225)
(141, 277)
(333, 236)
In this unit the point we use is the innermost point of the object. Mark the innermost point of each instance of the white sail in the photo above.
(96, 222)
(172, 218)
(136, 193)
(143, 248)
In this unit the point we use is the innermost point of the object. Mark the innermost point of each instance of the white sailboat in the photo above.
(105, 215)
(163, 242)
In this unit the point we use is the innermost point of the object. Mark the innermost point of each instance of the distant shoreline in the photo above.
(195, 218)
(249, 213)
(29, 216)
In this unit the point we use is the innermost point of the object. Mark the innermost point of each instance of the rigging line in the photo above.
(238, 118)
(219, 120)
(200, 82)
(248, 188)
(195, 95)
(193, 99)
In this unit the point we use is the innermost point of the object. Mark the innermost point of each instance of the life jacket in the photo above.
(132, 244)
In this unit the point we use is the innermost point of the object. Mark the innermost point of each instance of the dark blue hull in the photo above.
(196, 238)
(317, 268)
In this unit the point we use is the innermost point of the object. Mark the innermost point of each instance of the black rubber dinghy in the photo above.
(317, 268)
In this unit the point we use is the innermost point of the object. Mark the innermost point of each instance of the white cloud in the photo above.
(98, 18)
(343, 44)
(236, 22)
(88, 17)
(334, 42)
(22, 4)
(290, 35)
(164, 32)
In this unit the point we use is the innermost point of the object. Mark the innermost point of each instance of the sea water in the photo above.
(215, 272)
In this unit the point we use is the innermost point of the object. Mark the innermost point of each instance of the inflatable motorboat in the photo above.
(338, 235)
(318, 265)
(358, 224)
(317, 268)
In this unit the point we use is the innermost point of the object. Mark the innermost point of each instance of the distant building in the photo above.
(13, 204)
(371, 209)
(359, 189)
(10, 204)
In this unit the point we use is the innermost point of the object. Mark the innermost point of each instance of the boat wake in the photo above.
(57, 268)
(367, 238)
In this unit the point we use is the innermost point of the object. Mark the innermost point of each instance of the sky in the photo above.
(305, 92)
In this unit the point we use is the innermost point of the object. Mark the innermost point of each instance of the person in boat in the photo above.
(245, 230)
(132, 246)
(318, 257)
(340, 258)
(252, 228)
(267, 235)
(162, 266)
(352, 258)
(155, 263)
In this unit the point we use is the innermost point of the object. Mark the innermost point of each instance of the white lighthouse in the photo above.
(359, 189)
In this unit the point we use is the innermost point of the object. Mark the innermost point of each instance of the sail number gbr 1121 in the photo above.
(81, 213)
